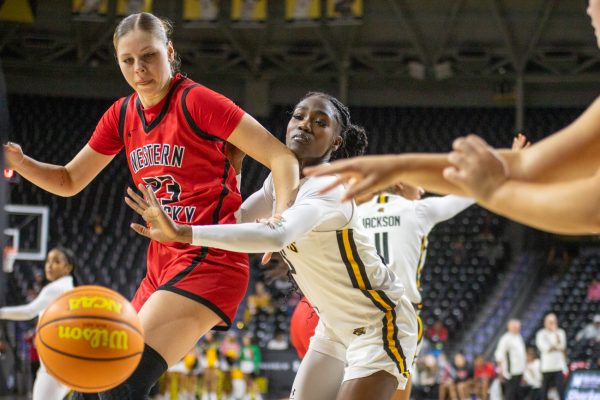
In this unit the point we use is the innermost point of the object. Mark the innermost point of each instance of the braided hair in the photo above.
(354, 137)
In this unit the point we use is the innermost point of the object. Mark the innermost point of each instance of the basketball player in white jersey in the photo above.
(399, 223)
(367, 334)
(60, 272)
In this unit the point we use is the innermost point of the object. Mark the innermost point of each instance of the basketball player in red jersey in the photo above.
(175, 134)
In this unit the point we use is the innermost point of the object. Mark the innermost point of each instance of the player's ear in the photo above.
(337, 143)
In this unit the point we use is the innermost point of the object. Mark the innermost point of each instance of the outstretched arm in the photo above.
(245, 237)
(569, 207)
(371, 174)
(438, 209)
(31, 310)
(61, 180)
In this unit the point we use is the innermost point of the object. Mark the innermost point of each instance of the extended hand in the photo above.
(160, 226)
(362, 175)
(476, 167)
(13, 155)
(520, 142)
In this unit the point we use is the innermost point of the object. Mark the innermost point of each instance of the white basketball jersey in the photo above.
(339, 269)
(400, 227)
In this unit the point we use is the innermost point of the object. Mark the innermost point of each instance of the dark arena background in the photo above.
(415, 73)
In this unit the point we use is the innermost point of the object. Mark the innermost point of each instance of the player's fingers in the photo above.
(464, 145)
(456, 158)
(452, 175)
(134, 206)
(359, 187)
(328, 169)
(266, 257)
(142, 230)
(135, 197)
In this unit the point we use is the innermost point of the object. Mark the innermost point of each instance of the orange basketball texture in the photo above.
(90, 339)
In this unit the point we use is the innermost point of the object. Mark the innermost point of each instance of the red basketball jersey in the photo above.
(177, 147)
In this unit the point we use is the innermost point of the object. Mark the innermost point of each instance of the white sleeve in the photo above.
(259, 204)
(31, 310)
(310, 210)
(434, 210)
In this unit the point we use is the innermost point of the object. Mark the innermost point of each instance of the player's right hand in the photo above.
(160, 226)
(13, 155)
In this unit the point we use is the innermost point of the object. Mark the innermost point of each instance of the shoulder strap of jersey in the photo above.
(122, 113)
(191, 121)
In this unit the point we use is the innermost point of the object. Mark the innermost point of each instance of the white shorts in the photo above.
(420, 335)
(388, 344)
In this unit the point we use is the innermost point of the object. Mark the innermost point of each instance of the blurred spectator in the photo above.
(446, 378)
(209, 358)
(551, 341)
(250, 358)
(279, 342)
(232, 376)
(437, 333)
(34, 358)
(590, 331)
(426, 379)
(260, 300)
(510, 355)
(464, 374)
(593, 290)
(483, 373)
(532, 377)
(230, 348)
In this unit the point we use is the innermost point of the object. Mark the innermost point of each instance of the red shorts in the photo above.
(302, 326)
(218, 279)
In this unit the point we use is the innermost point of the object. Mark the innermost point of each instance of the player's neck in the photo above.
(155, 98)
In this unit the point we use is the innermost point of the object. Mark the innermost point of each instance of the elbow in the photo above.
(68, 192)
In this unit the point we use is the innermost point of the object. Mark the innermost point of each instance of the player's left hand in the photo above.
(476, 167)
(160, 225)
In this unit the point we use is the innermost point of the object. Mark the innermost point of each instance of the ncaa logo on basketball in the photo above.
(96, 337)
(95, 302)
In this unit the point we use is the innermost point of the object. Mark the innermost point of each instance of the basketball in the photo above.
(90, 339)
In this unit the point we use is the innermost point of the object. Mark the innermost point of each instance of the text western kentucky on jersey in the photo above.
(177, 148)
(179, 152)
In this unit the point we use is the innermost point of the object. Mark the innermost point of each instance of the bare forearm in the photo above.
(285, 179)
(52, 178)
(424, 170)
(567, 208)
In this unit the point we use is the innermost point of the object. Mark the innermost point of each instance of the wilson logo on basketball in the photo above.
(97, 337)
(95, 302)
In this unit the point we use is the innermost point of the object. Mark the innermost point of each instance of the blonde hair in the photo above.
(160, 28)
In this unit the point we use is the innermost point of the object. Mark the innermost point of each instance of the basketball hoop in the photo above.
(9, 256)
